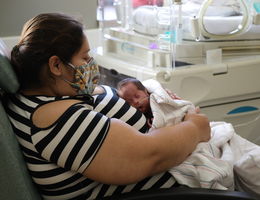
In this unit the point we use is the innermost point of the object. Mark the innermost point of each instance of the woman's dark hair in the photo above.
(42, 37)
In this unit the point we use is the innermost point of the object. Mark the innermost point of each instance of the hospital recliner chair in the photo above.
(16, 183)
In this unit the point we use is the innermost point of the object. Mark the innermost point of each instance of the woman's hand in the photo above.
(201, 122)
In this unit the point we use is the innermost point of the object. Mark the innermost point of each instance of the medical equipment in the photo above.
(241, 28)
(218, 72)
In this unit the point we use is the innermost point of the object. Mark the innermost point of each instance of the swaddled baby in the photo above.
(161, 107)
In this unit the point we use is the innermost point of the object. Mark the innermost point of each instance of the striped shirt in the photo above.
(57, 155)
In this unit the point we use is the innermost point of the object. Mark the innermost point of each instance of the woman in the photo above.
(74, 146)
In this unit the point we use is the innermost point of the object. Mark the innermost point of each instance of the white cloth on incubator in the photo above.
(228, 3)
(148, 19)
(148, 15)
(216, 8)
(211, 164)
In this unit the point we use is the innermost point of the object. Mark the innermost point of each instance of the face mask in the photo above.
(86, 77)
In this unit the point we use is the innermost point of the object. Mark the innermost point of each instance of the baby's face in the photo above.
(135, 97)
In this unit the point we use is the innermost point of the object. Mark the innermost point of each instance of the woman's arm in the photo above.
(128, 156)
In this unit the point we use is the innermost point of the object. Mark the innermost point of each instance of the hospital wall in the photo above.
(14, 13)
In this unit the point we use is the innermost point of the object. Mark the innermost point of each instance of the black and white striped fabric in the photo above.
(57, 155)
(112, 106)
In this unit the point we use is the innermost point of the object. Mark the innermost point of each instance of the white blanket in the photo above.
(152, 20)
(211, 164)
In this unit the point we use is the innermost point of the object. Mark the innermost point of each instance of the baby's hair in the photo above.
(136, 82)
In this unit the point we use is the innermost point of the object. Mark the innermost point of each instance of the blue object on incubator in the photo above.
(242, 109)
(257, 7)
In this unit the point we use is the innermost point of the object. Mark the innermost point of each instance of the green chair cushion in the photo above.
(8, 79)
(15, 181)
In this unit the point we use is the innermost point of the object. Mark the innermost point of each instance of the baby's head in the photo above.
(133, 92)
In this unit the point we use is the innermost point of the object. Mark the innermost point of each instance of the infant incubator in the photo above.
(205, 51)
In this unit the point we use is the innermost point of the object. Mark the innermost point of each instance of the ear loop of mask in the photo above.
(74, 85)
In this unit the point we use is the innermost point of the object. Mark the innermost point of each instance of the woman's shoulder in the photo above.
(45, 115)
(99, 90)
(105, 90)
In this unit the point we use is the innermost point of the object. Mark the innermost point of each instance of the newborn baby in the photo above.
(138, 96)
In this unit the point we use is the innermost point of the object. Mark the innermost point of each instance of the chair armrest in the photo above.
(183, 193)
